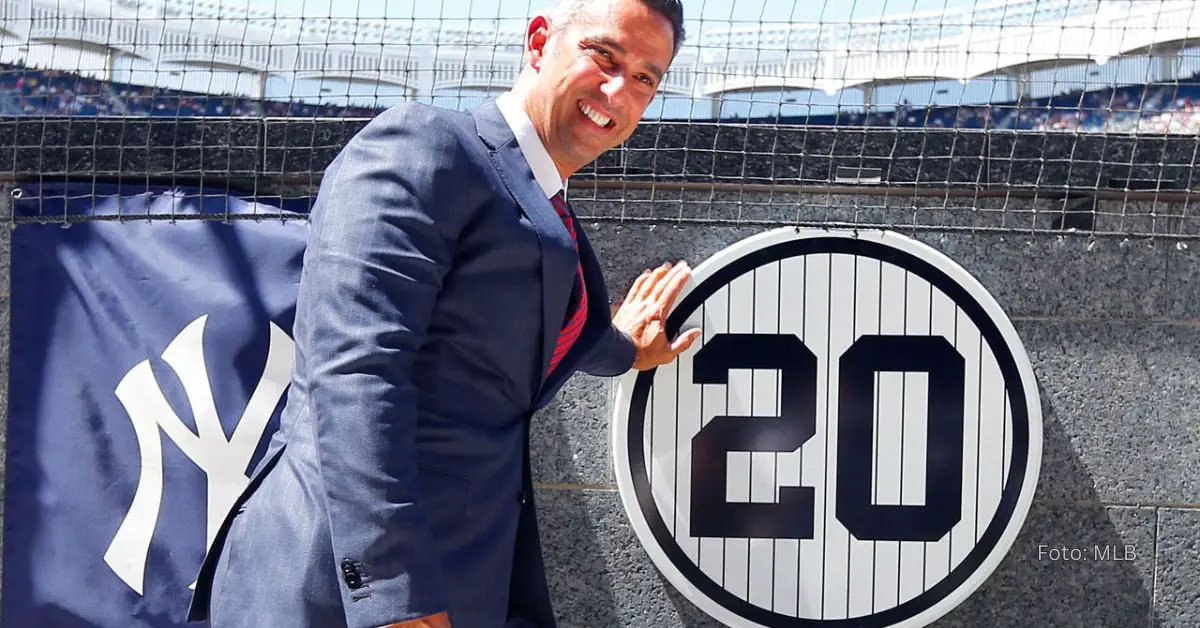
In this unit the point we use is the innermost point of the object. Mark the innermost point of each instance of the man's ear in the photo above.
(536, 37)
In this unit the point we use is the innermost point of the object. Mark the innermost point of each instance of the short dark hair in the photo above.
(566, 10)
(673, 11)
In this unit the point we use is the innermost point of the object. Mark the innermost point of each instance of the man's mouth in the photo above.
(600, 119)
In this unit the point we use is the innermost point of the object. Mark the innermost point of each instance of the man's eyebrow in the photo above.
(612, 43)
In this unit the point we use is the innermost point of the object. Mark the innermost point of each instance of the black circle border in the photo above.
(1008, 368)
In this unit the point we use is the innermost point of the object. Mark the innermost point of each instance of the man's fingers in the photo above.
(660, 285)
(636, 288)
(667, 281)
(685, 340)
(647, 289)
(674, 285)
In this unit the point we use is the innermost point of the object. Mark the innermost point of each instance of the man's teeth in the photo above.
(593, 114)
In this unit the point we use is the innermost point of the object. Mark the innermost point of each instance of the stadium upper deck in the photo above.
(994, 52)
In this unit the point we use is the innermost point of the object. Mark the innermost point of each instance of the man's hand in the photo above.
(441, 620)
(643, 315)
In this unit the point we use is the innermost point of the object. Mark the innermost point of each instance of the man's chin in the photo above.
(587, 152)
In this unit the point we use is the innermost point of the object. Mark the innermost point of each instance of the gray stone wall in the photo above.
(1110, 328)
(266, 155)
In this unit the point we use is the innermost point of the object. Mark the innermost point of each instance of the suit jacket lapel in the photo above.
(599, 318)
(558, 251)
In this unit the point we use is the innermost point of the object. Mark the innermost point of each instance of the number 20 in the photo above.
(792, 516)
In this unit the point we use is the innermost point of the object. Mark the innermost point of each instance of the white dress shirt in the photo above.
(531, 145)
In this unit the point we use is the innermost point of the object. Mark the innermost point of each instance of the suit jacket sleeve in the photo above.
(613, 352)
(382, 237)
(612, 355)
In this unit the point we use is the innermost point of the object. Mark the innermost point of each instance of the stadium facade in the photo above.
(994, 52)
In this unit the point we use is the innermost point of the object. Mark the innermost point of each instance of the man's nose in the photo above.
(614, 87)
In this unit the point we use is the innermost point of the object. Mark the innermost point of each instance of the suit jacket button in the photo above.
(521, 498)
(350, 574)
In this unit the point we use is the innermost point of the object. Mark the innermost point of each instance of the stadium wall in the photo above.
(1107, 313)
(1109, 328)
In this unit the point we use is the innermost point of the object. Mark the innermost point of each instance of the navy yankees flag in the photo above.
(150, 361)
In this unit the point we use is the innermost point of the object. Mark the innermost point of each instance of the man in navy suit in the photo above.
(447, 294)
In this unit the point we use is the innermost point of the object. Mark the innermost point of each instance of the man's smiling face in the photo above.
(595, 77)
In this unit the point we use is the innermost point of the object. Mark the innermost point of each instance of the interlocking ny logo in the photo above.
(224, 461)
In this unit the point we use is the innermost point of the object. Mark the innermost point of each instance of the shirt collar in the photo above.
(544, 170)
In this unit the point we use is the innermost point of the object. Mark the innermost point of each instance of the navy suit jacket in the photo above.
(435, 281)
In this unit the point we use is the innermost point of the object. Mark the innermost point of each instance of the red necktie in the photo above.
(575, 317)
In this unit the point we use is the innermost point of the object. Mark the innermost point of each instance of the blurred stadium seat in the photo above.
(32, 92)
(1172, 108)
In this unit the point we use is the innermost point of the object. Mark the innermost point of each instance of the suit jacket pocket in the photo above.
(443, 493)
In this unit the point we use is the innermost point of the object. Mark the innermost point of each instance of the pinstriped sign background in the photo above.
(855, 441)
